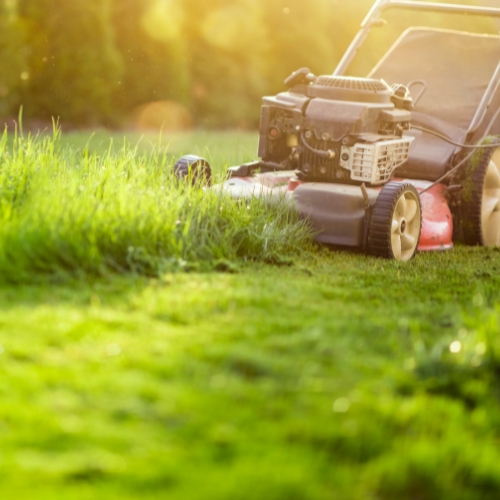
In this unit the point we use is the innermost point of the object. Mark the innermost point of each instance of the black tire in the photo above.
(194, 169)
(480, 176)
(384, 234)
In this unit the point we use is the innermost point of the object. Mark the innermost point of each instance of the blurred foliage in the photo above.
(74, 65)
(153, 62)
(96, 62)
(12, 58)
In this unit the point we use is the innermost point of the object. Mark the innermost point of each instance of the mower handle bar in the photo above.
(432, 7)
(374, 15)
(381, 5)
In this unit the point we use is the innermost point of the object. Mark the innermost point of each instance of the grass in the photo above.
(68, 212)
(222, 149)
(335, 376)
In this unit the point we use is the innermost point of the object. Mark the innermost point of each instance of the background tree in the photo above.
(75, 68)
(13, 63)
(148, 35)
(95, 62)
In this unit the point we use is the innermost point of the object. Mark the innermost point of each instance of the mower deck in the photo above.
(337, 211)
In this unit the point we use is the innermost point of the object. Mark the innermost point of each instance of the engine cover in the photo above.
(341, 118)
(336, 129)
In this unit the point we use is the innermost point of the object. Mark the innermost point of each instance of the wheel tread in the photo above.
(471, 207)
(379, 236)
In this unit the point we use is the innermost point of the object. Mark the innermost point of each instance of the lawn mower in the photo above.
(403, 160)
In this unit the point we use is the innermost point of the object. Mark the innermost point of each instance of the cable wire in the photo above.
(447, 139)
(469, 156)
(329, 155)
(450, 172)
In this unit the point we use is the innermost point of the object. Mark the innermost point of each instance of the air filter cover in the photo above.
(346, 88)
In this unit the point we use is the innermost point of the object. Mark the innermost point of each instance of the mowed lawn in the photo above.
(322, 375)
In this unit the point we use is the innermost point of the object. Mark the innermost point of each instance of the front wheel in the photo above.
(194, 169)
(396, 222)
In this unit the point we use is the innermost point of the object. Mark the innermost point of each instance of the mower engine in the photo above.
(336, 129)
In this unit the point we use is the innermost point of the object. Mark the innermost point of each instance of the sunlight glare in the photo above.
(230, 27)
(163, 20)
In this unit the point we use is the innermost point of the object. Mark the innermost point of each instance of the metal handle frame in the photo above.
(381, 5)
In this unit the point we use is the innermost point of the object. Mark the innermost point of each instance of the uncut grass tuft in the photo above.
(69, 213)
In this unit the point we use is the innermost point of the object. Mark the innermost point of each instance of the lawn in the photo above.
(233, 370)
(222, 149)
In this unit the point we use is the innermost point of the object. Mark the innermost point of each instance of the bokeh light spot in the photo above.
(113, 350)
(163, 115)
(456, 347)
(481, 349)
(341, 405)
(410, 364)
(229, 28)
(162, 21)
(478, 300)
(218, 381)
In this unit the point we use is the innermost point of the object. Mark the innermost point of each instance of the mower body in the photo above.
(338, 212)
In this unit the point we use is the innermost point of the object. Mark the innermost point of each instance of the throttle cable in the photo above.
(468, 157)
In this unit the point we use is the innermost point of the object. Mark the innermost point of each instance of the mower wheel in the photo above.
(396, 222)
(480, 209)
(194, 169)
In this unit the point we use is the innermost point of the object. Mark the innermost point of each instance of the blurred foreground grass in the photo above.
(330, 376)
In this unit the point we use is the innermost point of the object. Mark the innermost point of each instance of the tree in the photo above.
(148, 37)
(75, 69)
(13, 62)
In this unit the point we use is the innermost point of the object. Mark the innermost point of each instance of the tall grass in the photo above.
(69, 213)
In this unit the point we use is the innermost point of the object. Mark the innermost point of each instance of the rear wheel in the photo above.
(194, 169)
(396, 222)
(480, 208)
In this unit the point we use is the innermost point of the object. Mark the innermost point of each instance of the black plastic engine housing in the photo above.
(307, 127)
